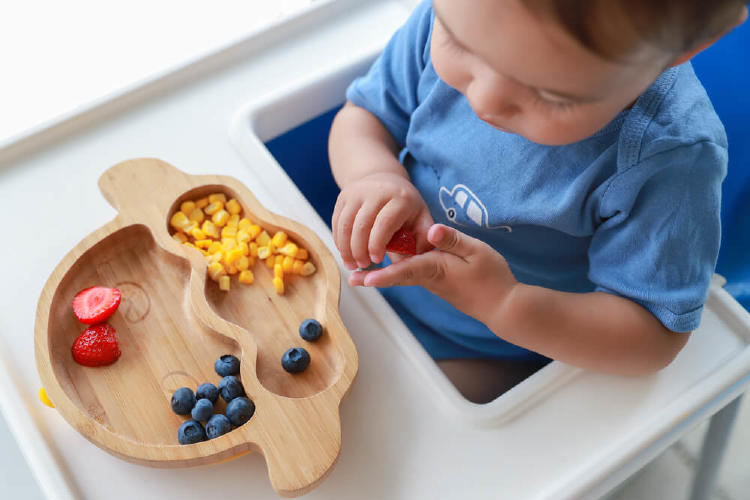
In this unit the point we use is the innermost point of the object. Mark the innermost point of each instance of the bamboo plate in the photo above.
(173, 323)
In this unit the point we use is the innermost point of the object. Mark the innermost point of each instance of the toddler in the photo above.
(560, 166)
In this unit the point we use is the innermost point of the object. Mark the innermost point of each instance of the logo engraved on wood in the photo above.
(136, 303)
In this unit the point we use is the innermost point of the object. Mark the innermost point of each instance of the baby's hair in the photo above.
(616, 28)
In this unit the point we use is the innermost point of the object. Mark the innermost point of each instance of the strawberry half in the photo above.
(96, 346)
(94, 305)
(402, 242)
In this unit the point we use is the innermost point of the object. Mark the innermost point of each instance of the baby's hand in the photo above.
(369, 211)
(465, 271)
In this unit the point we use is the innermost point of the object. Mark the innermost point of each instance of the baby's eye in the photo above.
(553, 102)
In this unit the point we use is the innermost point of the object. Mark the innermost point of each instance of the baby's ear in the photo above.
(703, 46)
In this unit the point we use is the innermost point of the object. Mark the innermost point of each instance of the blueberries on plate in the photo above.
(183, 401)
(227, 365)
(239, 410)
(203, 410)
(207, 391)
(295, 360)
(310, 330)
(230, 387)
(217, 425)
(191, 432)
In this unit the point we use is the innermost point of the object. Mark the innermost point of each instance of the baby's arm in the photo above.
(596, 330)
(377, 197)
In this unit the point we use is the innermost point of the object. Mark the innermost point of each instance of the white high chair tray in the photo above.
(407, 434)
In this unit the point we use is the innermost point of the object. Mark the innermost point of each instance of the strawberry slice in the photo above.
(402, 242)
(96, 346)
(94, 305)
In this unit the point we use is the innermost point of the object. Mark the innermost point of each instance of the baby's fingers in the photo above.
(360, 235)
(420, 270)
(342, 224)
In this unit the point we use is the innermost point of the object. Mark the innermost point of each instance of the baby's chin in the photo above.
(546, 136)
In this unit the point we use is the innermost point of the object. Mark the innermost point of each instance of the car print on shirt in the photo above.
(463, 208)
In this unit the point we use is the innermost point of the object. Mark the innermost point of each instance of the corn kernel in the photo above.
(215, 247)
(279, 239)
(203, 252)
(216, 270)
(228, 232)
(243, 263)
(197, 233)
(253, 249)
(215, 257)
(224, 283)
(289, 249)
(234, 206)
(187, 207)
(213, 207)
(244, 248)
(278, 259)
(213, 198)
(244, 224)
(179, 236)
(263, 252)
(297, 266)
(270, 262)
(233, 220)
(278, 284)
(220, 218)
(307, 269)
(243, 236)
(190, 226)
(301, 254)
(263, 239)
(232, 270)
(188, 244)
(251, 260)
(210, 229)
(196, 215)
(246, 277)
(204, 244)
(232, 256)
(179, 220)
(278, 271)
(228, 243)
(201, 203)
(255, 230)
(288, 264)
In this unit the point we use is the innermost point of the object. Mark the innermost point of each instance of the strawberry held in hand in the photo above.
(403, 242)
(96, 346)
(95, 304)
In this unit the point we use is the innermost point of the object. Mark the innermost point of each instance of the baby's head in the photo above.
(557, 71)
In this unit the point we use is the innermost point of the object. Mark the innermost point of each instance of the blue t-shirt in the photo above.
(632, 210)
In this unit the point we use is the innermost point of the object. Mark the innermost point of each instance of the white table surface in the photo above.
(398, 442)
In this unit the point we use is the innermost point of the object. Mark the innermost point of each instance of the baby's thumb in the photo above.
(421, 228)
(450, 240)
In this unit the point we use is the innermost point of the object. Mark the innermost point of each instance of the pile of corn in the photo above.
(232, 243)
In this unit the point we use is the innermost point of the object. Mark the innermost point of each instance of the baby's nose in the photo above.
(492, 96)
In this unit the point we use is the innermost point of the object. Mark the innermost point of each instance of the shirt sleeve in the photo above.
(389, 89)
(659, 239)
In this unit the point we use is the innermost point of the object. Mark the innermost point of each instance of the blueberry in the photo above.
(239, 410)
(230, 387)
(295, 360)
(207, 391)
(203, 410)
(217, 425)
(191, 432)
(227, 365)
(183, 401)
(310, 330)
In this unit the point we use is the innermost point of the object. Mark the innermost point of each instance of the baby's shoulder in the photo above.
(676, 112)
